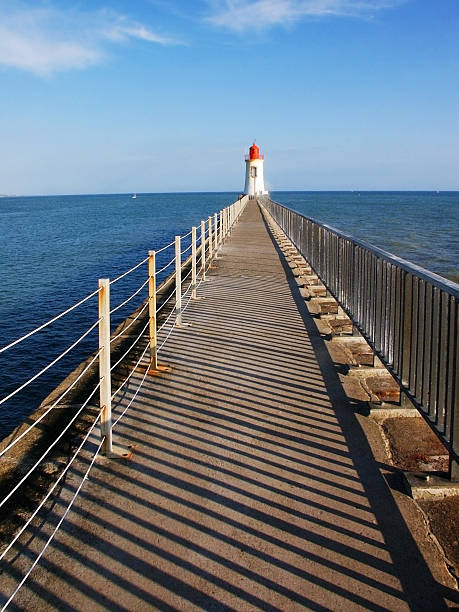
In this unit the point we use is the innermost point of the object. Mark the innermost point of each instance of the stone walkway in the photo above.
(252, 485)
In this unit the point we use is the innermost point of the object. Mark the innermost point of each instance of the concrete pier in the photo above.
(253, 484)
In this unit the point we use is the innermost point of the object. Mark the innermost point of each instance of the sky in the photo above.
(141, 96)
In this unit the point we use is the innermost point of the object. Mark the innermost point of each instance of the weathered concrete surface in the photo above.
(253, 484)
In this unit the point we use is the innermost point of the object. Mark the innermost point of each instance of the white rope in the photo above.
(188, 302)
(164, 268)
(188, 288)
(118, 278)
(50, 365)
(187, 249)
(48, 495)
(52, 445)
(165, 247)
(187, 276)
(166, 339)
(165, 322)
(186, 235)
(130, 297)
(130, 348)
(55, 530)
(35, 423)
(164, 303)
(138, 388)
(124, 330)
(50, 321)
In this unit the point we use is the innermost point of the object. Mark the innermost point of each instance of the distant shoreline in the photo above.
(234, 191)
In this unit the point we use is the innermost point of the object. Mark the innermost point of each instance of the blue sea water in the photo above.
(419, 226)
(53, 250)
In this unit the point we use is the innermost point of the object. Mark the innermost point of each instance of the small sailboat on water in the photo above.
(133, 196)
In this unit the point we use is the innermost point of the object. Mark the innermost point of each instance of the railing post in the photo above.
(152, 309)
(216, 231)
(178, 282)
(193, 263)
(203, 250)
(105, 392)
(221, 227)
(210, 239)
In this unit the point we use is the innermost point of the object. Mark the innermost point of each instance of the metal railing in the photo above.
(98, 395)
(408, 315)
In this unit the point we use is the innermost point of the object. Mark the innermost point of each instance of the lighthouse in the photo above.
(254, 180)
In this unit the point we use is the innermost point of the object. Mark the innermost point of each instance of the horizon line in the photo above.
(129, 193)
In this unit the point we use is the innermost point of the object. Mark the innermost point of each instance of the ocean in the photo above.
(54, 248)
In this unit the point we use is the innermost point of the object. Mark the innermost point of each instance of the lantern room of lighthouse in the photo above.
(254, 179)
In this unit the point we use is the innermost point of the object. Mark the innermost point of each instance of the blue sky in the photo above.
(167, 95)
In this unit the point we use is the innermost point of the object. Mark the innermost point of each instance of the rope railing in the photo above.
(169, 316)
(130, 348)
(53, 405)
(204, 244)
(118, 278)
(50, 447)
(138, 388)
(165, 340)
(164, 248)
(165, 267)
(56, 318)
(132, 296)
(50, 365)
(50, 491)
(124, 330)
(56, 529)
(188, 248)
(165, 303)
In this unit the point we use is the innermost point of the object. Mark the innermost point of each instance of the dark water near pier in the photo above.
(53, 250)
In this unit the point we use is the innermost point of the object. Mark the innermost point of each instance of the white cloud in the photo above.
(260, 14)
(121, 32)
(44, 40)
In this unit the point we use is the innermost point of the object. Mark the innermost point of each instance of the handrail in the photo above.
(408, 315)
(439, 281)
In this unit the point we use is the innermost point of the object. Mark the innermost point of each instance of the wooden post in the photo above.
(193, 263)
(178, 282)
(105, 391)
(152, 309)
(203, 249)
(221, 227)
(210, 239)
(216, 231)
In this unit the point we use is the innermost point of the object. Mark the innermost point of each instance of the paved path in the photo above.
(252, 486)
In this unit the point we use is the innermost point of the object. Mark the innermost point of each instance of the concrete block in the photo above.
(357, 351)
(382, 388)
(340, 325)
(321, 291)
(322, 305)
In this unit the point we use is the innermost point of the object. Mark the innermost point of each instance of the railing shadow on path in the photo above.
(252, 485)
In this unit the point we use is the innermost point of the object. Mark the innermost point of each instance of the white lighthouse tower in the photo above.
(254, 180)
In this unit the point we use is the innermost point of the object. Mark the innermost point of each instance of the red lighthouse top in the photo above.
(254, 152)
